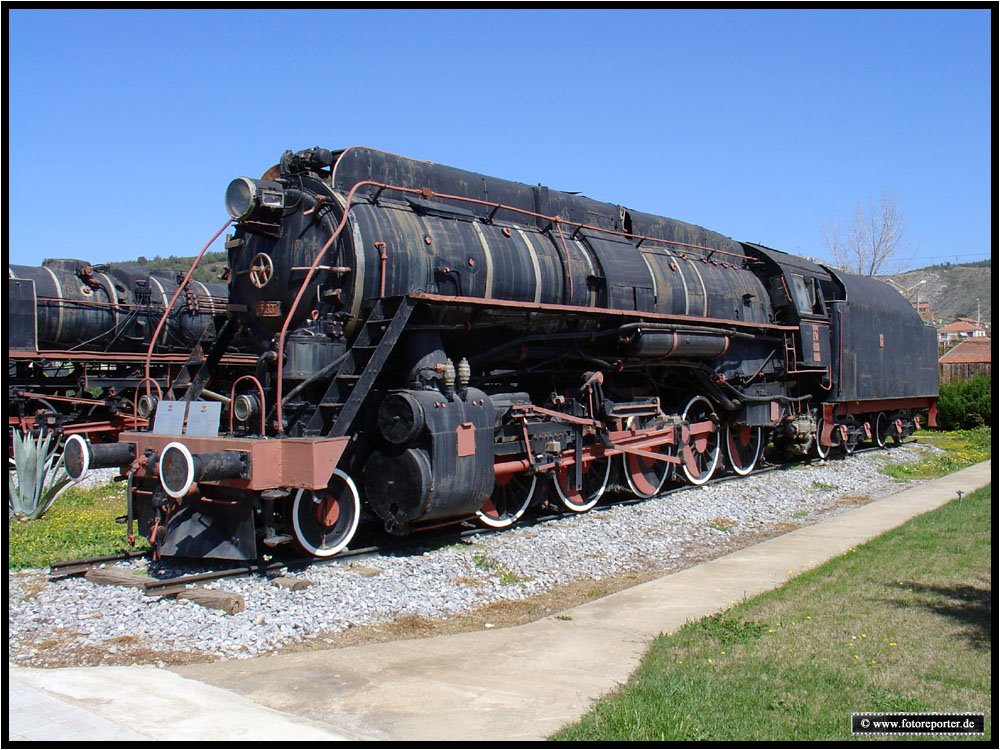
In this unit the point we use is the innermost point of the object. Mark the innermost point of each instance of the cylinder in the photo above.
(80, 456)
(399, 485)
(400, 418)
(179, 469)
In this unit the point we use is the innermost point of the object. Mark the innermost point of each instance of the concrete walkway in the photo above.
(519, 683)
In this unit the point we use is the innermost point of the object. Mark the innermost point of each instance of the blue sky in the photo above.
(126, 126)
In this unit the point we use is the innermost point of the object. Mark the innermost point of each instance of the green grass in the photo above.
(81, 523)
(902, 623)
(962, 448)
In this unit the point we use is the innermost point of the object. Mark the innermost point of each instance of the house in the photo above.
(963, 328)
(925, 311)
(970, 357)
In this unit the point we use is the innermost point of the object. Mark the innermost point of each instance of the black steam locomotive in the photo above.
(437, 345)
(79, 336)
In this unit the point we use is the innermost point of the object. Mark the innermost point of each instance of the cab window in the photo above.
(803, 294)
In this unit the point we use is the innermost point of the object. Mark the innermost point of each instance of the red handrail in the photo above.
(263, 402)
(177, 293)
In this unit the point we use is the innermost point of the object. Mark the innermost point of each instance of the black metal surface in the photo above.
(881, 347)
(437, 472)
(219, 531)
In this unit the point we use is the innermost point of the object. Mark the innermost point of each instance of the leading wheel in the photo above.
(324, 521)
(510, 499)
(701, 454)
(743, 447)
(646, 476)
(595, 482)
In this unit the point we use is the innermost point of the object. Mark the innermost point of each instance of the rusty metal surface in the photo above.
(288, 462)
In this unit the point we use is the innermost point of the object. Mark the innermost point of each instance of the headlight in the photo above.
(247, 198)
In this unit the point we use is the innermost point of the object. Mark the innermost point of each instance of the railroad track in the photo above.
(461, 532)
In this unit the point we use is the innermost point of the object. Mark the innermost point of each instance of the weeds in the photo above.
(505, 575)
(960, 449)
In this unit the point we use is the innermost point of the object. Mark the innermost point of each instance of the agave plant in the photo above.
(38, 476)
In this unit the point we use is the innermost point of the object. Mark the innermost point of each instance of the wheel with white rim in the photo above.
(644, 475)
(881, 429)
(511, 497)
(703, 448)
(822, 451)
(596, 473)
(324, 521)
(743, 447)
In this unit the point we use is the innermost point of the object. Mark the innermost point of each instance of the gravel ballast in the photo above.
(52, 621)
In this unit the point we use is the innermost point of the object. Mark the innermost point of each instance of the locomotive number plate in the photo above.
(269, 309)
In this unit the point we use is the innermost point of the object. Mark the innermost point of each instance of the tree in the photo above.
(874, 242)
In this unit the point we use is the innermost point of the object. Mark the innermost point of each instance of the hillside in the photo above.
(209, 270)
(952, 290)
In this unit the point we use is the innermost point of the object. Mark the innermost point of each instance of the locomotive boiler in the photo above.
(72, 305)
(439, 345)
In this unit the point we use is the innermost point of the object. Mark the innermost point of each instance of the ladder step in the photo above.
(347, 376)
(331, 404)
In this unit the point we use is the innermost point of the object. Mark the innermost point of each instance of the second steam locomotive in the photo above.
(435, 345)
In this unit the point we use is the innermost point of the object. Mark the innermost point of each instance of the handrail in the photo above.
(177, 293)
(263, 402)
(135, 396)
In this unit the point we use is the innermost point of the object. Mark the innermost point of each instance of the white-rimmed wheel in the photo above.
(645, 475)
(324, 521)
(881, 429)
(822, 451)
(743, 447)
(701, 454)
(510, 499)
(595, 481)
